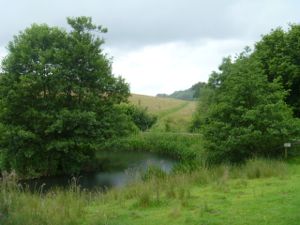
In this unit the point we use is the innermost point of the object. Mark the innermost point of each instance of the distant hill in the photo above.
(189, 94)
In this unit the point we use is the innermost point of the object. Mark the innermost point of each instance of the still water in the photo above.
(118, 169)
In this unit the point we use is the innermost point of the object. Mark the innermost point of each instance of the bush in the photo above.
(141, 118)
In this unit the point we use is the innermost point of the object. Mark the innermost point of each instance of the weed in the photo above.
(153, 172)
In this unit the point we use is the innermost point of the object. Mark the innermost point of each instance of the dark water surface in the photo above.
(118, 169)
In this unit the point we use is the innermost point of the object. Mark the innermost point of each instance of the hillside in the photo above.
(190, 94)
(173, 114)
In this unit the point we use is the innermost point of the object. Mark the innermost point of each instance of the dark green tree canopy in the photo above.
(279, 54)
(58, 99)
(245, 114)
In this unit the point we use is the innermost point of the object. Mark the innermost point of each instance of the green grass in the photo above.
(259, 192)
(184, 147)
(174, 115)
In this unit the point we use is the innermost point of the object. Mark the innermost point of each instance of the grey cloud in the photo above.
(136, 22)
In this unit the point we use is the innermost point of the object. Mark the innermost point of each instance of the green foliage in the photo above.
(192, 93)
(244, 111)
(199, 117)
(198, 89)
(278, 52)
(247, 115)
(184, 95)
(58, 99)
(140, 116)
(185, 147)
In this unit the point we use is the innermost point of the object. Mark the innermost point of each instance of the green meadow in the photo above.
(259, 192)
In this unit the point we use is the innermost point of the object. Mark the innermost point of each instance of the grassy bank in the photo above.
(184, 147)
(259, 192)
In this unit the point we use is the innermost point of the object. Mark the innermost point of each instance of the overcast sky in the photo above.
(159, 46)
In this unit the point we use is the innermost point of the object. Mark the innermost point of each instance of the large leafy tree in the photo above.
(246, 115)
(58, 98)
(279, 54)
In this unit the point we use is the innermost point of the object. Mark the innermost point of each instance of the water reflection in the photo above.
(121, 169)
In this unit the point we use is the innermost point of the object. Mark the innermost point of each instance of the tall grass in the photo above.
(184, 147)
(71, 206)
(20, 206)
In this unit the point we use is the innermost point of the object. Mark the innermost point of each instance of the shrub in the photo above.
(141, 117)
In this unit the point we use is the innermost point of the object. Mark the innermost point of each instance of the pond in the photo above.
(117, 170)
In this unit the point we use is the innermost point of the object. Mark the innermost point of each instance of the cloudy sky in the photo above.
(159, 46)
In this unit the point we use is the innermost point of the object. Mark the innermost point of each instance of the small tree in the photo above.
(248, 116)
(58, 98)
